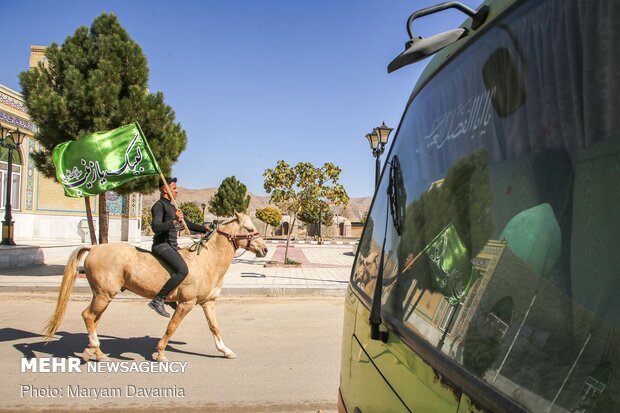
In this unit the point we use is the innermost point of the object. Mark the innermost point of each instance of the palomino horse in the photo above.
(112, 267)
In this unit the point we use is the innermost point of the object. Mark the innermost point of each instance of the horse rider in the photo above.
(167, 222)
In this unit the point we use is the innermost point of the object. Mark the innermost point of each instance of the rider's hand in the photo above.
(179, 215)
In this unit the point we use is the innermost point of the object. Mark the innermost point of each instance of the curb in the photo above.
(283, 242)
(226, 291)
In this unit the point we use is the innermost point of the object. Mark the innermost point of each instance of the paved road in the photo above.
(288, 356)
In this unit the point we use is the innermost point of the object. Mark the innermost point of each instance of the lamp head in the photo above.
(373, 140)
(10, 137)
(384, 133)
(17, 136)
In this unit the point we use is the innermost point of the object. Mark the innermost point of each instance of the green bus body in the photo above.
(494, 231)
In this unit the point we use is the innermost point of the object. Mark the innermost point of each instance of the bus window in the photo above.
(504, 257)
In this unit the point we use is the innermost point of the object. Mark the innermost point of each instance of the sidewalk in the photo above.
(325, 270)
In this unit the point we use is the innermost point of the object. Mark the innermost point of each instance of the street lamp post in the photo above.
(378, 139)
(10, 140)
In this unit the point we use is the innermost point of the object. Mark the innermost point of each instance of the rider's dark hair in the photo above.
(169, 180)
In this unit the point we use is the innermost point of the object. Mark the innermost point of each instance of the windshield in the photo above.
(502, 191)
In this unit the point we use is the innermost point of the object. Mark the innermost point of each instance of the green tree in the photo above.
(303, 186)
(147, 219)
(365, 243)
(308, 217)
(318, 214)
(98, 80)
(364, 217)
(270, 216)
(231, 196)
(192, 212)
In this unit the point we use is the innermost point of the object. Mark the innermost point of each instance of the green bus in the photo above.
(488, 273)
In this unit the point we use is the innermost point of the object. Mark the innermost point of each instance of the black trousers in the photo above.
(179, 267)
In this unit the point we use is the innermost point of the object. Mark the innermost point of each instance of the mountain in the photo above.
(354, 211)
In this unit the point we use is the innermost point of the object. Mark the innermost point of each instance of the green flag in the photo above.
(452, 270)
(102, 161)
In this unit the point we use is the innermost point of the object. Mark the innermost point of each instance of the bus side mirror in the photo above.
(417, 48)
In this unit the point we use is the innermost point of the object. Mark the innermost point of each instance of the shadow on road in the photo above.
(251, 262)
(309, 279)
(71, 344)
(252, 275)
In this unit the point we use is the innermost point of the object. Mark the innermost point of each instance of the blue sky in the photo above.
(253, 82)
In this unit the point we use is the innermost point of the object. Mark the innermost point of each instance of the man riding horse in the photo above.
(167, 222)
(117, 266)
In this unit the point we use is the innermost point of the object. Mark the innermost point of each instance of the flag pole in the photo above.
(174, 201)
(162, 177)
(413, 261)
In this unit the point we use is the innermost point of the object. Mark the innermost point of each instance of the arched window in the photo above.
(16, 177)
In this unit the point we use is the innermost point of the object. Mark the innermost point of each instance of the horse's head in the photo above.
(367, 269)
(243, 234)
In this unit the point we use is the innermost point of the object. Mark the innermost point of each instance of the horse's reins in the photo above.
(233, 238)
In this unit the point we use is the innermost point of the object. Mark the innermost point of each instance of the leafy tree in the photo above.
(192, 212)
(318, 214)
(147, 219)
(231, 196)
(364, 217)
(308, 217)
(303, 186)
(366, 241)
(98, 80)
(270, 216)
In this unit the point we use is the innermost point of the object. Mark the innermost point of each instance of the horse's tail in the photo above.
(68, 280)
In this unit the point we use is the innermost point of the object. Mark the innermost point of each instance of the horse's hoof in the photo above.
(159, 358)
(87, 354)
(103, 357)
(230, 355)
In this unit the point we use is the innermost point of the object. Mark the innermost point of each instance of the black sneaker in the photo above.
(158, 305)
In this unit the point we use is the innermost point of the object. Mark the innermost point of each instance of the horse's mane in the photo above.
(228, 220)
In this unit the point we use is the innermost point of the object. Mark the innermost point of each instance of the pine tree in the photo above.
(230, 197)
(98, 80)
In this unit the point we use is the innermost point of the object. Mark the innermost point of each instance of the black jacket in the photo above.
(163, 213)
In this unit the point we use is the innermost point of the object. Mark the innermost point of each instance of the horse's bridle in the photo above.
(234, 238)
